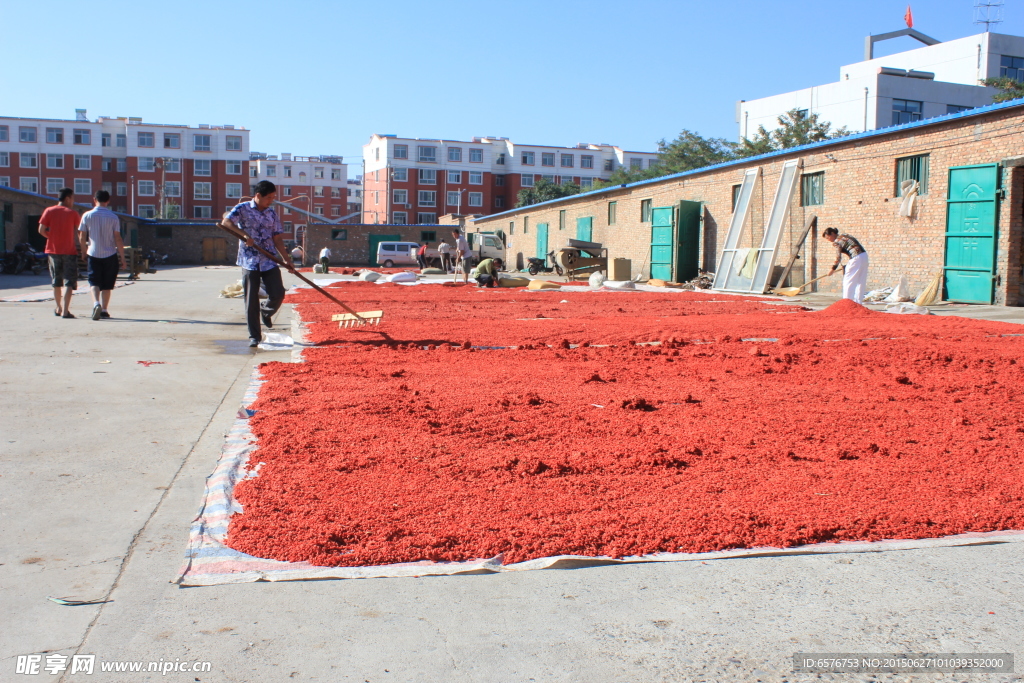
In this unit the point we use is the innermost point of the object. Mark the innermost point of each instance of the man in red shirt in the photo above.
(58, 225)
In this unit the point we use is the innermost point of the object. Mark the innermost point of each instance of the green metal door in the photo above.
(662, 223)
(688, 241)
(377, 239)
(972, 213)
(542, 240)
(585, 229)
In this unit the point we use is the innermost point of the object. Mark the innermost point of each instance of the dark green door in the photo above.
(542, 240)
(585, 229)
(5, 215)
(377, 239)
(971, 215)
(688, 241)
(37, 241)
(662, 223)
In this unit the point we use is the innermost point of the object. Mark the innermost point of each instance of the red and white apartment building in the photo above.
(151, 170)
(315, 188)
(412, 180)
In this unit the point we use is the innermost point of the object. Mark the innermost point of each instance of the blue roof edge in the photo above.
(978, 111)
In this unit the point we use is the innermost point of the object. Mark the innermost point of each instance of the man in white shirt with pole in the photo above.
(100, 236)
(462, 256)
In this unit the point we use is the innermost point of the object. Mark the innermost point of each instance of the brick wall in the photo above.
(859, 198)
(183, 243)
(354, 250)
(26, 209)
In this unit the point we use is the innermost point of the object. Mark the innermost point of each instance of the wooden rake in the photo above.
(350, 319)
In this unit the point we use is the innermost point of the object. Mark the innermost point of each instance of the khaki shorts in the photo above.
(465, 266)
(64, 270)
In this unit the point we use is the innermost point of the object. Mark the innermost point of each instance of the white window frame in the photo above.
(565, 156)
(454, 154)
(400, 217)
(428, 159)
(122, 189)
(201, 211)
(400, 196)
(168, 137)
(547, 154)
(233, 164)
(105, 140)
(233, 190)
(454, 176)
(476, 199)
(83, 186)
(476, 177)
(81, 136)
(121, 139)
(83, 162)
(426, 198)
(401, 152)
(199, 144)
(202, 191)
(147, 164)
(146, 188)
(453, 198)
(5, 159)
(318, 172)
(172, 188)
(207, 171)
(54, 161)
(54, 185)
(318, 190)
(29, 184)
(476, 155)
(400, 175)
(27, 134)
(335, 174)
(151, 139)
(526, 180)
(172, 165)
(233, 143)
(58, 136)
(5, 181)
(270, 170)
(532, 156)
(146, 210)
(586, 161)
(424, 176)
(426, 218)
(122, 165)
(31, 157)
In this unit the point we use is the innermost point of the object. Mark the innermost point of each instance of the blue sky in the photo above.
(318, 77)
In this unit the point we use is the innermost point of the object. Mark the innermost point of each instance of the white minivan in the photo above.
(396, 254)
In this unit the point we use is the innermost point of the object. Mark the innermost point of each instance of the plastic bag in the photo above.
(907, 307)
(597, 279)
(404, 276)
(902, 291)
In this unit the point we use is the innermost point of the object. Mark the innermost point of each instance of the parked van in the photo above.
(397, 254)
(487, 245)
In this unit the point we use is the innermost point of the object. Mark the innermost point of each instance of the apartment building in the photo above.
(151, 170)
(314, 187)
(355, 199)
(413, 180)
(935, 80)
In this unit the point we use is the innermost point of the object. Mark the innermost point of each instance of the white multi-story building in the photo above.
(412, 180)
(941, 78)
(314, 187)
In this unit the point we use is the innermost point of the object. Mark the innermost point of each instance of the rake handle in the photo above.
(276, 259)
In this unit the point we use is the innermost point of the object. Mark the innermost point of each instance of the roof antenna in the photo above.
(988, 12)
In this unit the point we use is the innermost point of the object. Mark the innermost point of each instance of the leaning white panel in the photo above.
(727, 277)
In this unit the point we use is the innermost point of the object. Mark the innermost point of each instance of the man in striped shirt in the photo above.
(100, 235)
(855, 277)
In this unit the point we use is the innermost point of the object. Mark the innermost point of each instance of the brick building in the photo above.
(412, 180)
(852, 183)
(311, 185)
(149, 169)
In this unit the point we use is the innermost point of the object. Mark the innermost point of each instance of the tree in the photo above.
(1010, 89)
(796, 127)
(544, 191)
(687, 152)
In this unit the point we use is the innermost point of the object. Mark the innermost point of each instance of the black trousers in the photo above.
(251, 280)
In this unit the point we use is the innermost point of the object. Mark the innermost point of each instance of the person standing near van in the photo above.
(421, 256)
(100, 234)
(462, 260)
(444, 249)
(57, 225)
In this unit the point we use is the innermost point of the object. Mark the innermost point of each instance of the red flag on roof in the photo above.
(909, 18)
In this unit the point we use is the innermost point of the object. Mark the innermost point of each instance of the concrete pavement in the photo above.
(102, 467)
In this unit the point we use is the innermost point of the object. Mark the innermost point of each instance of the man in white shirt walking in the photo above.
(100, 236)
(462, 256)
(325, 259)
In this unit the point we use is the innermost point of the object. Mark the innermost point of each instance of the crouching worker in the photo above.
(487, 272)
(258, 219)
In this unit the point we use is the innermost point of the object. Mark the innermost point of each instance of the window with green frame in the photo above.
(339, 233)
(612, 209)
(912, 168)
(526, 224)
(812, 189)
(645, 210)
(163, 232)
(561, 219)
(428, 235)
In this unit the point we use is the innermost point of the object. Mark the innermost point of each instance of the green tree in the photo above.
(545, 190)
(796, 127)
(1009, 88)
(688, 151)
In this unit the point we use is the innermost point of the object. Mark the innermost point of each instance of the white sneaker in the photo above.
(97, 310)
